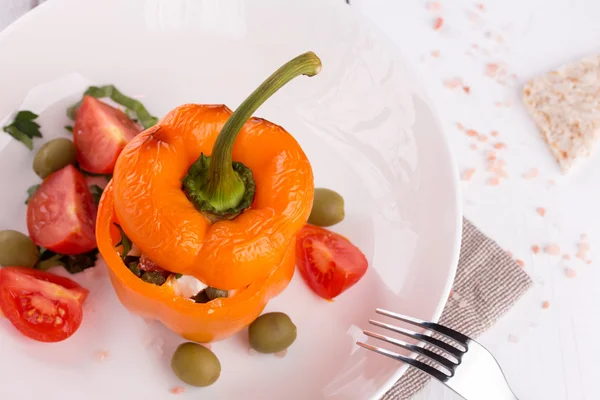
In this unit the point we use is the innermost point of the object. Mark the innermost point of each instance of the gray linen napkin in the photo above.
(488, 282)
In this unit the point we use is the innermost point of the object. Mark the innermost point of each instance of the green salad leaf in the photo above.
(125, 242)
(96, 193)
(30, 191)
(130, 104)
(24, 128)
(72, 263)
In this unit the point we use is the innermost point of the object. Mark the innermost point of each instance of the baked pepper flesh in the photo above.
(160, 217)
(212, 194)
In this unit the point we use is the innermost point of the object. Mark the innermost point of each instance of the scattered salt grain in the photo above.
(546, 305)
(491, 70)
(466, 89)
(494, 133)
(552, 249)
(520, 263)
(460, 126)
(513, 338)
(499, 146)
(588, 262)
(582, 250)
(434, 7)
(435, 53)
(474, 17)
(480, 7)
(472, 133)
(281, 354)
(541, 211)
(438, 23)
(482, 138)
(101, 355)
(474, 146)
(535, 249)
(532, 173)
(453, 83)
(177, 390)
(468, 174)
(566, 257)
(493, 181)
(570, 272)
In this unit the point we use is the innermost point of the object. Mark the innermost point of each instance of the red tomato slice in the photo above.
(41, 305)
(100, 133)
(328, 262)
(61, 215)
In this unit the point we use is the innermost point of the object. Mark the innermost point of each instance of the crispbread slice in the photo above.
(565, 105)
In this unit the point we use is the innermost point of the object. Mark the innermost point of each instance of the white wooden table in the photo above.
(547, 353)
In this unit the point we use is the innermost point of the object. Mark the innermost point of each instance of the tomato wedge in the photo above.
(100, 133)
(328, 262)
(41, 305)
(61, 214)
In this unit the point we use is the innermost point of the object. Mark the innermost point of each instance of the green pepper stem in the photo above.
(224, 188)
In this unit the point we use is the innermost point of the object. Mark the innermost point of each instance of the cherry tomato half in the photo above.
(61, 214)
(100, 133)
(328, 262)
(41, 305)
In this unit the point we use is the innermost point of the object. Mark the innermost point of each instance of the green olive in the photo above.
(54, 155)
(327, 209)
(272, 332)
(195, 364)
(17, 250)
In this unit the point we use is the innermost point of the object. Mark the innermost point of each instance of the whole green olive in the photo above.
(272, 332)
(327, 209)
(213, 293)
(54, 155)
(195, 364)
(17, 250)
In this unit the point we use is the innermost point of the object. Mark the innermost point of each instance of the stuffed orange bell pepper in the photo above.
(212, 194)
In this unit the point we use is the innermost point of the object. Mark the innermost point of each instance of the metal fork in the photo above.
(466, 367)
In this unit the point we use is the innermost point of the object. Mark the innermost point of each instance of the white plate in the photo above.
(367, 129)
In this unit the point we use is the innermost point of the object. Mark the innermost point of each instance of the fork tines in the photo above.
(443, 365)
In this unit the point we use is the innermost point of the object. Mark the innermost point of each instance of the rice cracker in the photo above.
(565, 105)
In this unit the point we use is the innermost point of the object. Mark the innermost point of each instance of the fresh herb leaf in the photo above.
(213, 293)
(201, 297)
(125, 242)
(23, 128)
(69, 128)
(108, 177)
(129, 103)
(72, 263)
(96, 193)
(154, 277)
(26, 116)
(177, 276)
(30, 191)
(132, 262)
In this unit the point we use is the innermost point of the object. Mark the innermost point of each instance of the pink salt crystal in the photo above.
(541, 211)
(582, 250)
(435, 53)
(281, 353)
(494, 133)
(588, 262)
(546, 305)
(552, 249)
(491, 70)
(466, 89)
(532, 173)
(453, 83)
(483, 138)
(509, 253)
(493, 181)
(177, 390)
(101, 355)
(535, 249)
(460, 126)
(499, 146)
(434, 6)
(472, 133)
(468, 174)
(438, 23)
(520, 263)
(480, 7)
(570, 272)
